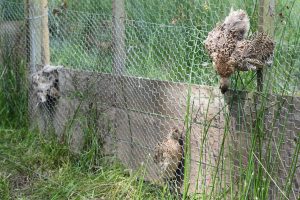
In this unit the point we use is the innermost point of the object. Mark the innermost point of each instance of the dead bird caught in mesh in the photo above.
(231, 51)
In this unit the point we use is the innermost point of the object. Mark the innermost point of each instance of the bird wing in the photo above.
(213, 40)
(237, 56)
(253, 53)
(260, 47)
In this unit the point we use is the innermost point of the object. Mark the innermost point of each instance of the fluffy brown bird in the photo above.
(230, 51)
(168, 154)
(221, 43)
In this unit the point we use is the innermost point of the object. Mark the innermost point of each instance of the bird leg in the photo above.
(254, 62)
(250, 64)
(244, 66)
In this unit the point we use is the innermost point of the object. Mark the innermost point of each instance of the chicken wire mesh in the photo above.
(166, 74)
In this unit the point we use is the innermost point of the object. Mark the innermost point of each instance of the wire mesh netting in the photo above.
(146, 86)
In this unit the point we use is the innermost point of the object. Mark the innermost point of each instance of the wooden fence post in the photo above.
(118, 36)
(36, 12)
(265, 24)
(38, 33)
(35, 34)
(45, 33)
(33, 48)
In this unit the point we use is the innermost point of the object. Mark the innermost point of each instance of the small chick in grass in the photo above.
(230, 51)
(168, 154)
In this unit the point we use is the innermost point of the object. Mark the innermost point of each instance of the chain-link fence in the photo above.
(131, 80)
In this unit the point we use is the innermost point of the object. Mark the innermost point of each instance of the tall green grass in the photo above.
(33, 167)
(13, 94)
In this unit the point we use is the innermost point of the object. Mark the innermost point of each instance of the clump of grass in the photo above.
(37, 168)
(13, 94)
(13, 72)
